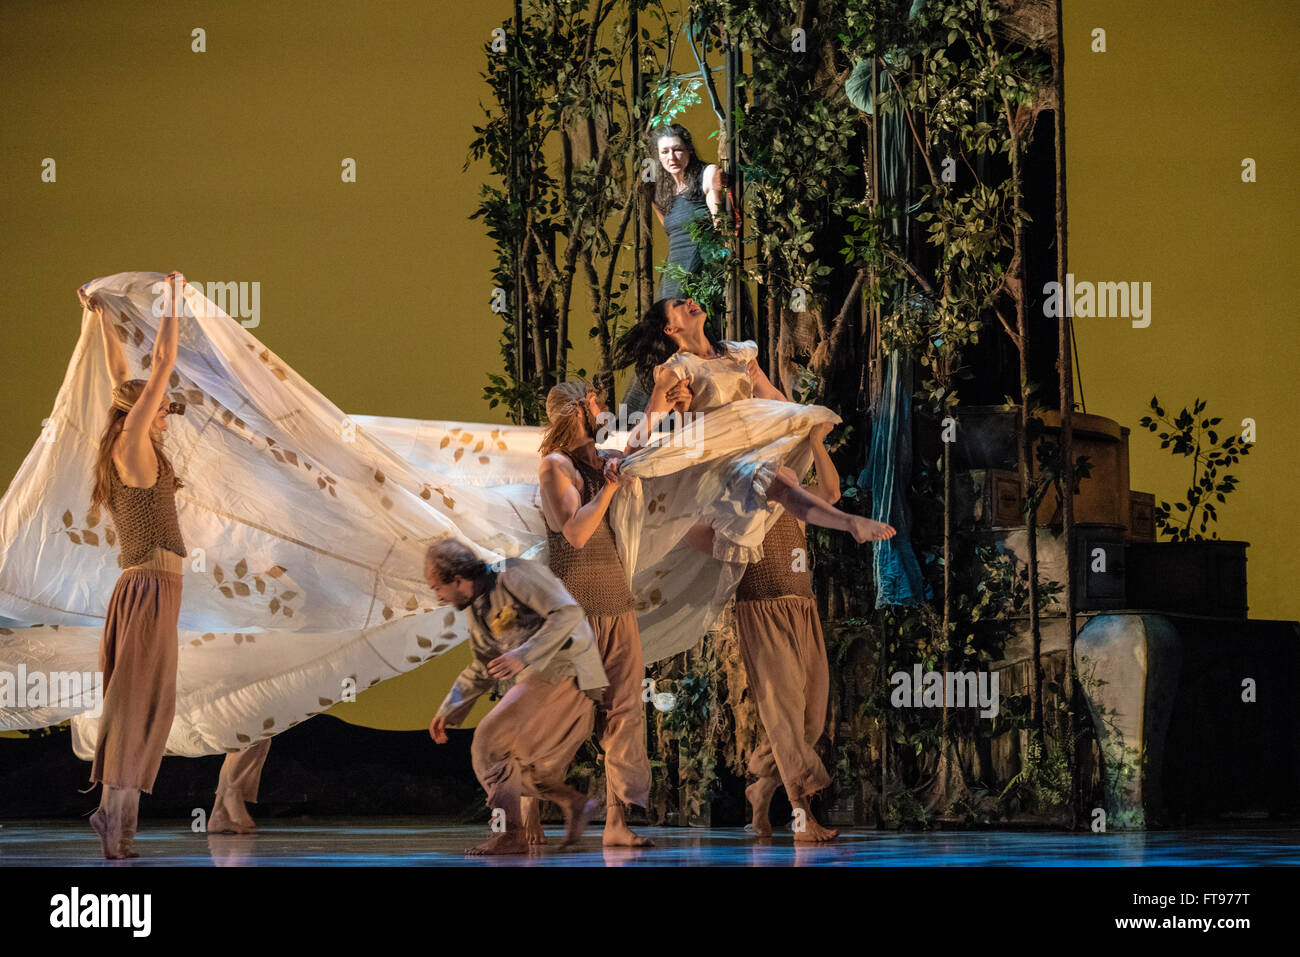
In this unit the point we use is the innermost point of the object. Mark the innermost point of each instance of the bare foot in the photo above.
(814, 833)
(109, 832)
(221, 822)
(507, 842)
(238, 812)
(229, 816)
(620, 835)
(130, 821)
(533, 832)
(759, 795)
(577, 814)
(617, 833)
(869, 530)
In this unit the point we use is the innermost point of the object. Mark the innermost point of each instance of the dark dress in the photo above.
(681, 249)
(681, 252)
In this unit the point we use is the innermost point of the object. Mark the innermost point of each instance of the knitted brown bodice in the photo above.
(146, 517)
(594, 573)
(774, 576)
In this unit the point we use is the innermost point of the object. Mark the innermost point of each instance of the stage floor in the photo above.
(422, 842)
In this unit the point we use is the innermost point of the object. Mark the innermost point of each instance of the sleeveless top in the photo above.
(715, 382)
(773, 576)
(681, 249)
(593, 574)
(145, 518)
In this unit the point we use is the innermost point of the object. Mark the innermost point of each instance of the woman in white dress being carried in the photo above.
(736, 458)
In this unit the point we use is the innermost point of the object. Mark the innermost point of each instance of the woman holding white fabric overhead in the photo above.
(135, 481)
(137, 653)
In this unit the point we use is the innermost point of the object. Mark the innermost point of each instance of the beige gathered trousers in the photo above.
(784, 653)
(524, 745)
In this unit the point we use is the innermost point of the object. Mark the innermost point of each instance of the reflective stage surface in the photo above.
(426, 842)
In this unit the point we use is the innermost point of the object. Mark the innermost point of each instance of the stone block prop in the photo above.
(1130, 666)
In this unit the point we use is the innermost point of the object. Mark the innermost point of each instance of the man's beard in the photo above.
(589, 423)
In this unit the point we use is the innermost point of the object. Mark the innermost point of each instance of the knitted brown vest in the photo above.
(146, 517)
(773, 576)
(594, 573)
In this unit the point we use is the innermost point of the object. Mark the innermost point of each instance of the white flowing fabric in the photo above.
(306, 533)
(307, 529)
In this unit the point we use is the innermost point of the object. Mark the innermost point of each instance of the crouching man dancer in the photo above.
(523, 626)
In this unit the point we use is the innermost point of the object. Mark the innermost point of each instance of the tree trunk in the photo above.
(1024, 446)
(599, 311)
(1066, 369)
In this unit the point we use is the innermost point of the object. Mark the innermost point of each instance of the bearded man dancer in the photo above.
(522, 625)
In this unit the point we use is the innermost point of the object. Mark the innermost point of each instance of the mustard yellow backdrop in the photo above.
(248, 139)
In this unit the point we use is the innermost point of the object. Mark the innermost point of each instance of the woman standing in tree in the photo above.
(689, 191)
(685, 190)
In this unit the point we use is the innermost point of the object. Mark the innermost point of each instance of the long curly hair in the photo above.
(126, 395)
(665, 186)
(646, 345)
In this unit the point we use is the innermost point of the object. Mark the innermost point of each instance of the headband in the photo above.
(120, 401)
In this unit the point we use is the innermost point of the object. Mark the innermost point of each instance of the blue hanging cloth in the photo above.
(894, 566)
(893, 562)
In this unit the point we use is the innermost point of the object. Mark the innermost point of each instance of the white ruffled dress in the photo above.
(716, 469)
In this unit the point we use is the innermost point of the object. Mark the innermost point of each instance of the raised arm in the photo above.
(164, 357)
(713, 183)
(562, 501)
(659, 405)
(139, 464)
(827, 487)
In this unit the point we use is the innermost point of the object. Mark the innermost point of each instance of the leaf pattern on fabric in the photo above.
(86, 535)
(267, 584)
(426, 493)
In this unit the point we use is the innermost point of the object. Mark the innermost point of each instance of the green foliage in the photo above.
(559, 89)
(1121, 764)
(708, 284)
(1043, 780)
(690, 736)
(992, 591)
(946, 70)
(1193, 435)
(797, 145)
(676, 95)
